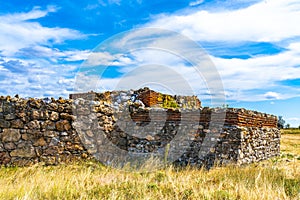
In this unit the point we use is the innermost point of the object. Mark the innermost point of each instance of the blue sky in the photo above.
(254, 45)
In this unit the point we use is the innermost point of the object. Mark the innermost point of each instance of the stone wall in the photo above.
(34, 130)
(54, 131)
(245, 136)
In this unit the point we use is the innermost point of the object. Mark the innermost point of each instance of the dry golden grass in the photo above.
(290, 143)
(277, 178)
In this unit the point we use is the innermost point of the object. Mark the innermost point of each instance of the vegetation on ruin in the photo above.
(167, 101)
(277, 178)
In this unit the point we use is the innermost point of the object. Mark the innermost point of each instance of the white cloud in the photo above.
(244, 79)
(196, 3)
(38, 80)
(264, 21)
(76, 55)
(158, 76)
(107, 59)
(272, 95)
(154, 58)
(155, 68)
(264, 72)
(29, 64)
(35, 13)
(84, 83)
(18, 32)
(238, 75)
(53, 54)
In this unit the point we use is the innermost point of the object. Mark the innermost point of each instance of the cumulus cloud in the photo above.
(107, 59)
(36, 79)
(29, 64)
(196, 3)
(260, 71)
(261, 74)
(263, 21)
(19, 31)
(154, 58)
(53, 54)
(35, 13)
(243, 79)
(272, 95)
(255, 78)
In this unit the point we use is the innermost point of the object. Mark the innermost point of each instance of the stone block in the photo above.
(54, 116)
(63, 125)
(4, 123)
(17, 124)
(4, 158)
(48, 125)
(35, 124)
(11, 135)
(9, 146)
(51, 134)
(26, 152)
(40, 142)
(10, 116)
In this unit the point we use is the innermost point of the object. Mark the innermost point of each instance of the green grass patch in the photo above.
(290, 131)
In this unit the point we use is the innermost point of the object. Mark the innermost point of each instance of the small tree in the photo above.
(299, 127)
(225, 106)
(281, 122)
(287, 126)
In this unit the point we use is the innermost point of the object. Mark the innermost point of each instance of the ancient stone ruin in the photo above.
(63, 130)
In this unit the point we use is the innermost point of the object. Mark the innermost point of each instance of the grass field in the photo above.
(277, 178)
(294, 131)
